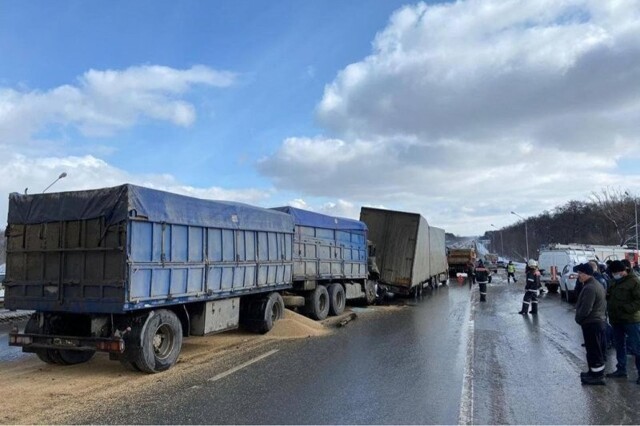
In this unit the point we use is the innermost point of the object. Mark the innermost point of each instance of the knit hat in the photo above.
(585, 268)
(617, 266)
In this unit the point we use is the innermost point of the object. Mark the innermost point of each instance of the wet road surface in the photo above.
(526, 368)
(446, 359)
(401, 366)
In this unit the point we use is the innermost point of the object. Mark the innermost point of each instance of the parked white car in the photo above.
(568, 280)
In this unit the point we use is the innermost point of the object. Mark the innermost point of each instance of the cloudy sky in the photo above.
(460, 111)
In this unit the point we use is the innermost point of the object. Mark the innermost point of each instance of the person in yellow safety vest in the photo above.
(511, 272)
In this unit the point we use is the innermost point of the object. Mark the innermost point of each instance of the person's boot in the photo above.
(525, 309)
(534, 309)
(593, 379)
(483, 298)
(618, 374)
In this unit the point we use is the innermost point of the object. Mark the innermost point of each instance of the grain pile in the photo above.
(296, 326)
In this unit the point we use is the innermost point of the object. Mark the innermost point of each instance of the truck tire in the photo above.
(160, 342)
(66, 356)
(129, 365)
(370, 292)
(70, 357)
(337, 299)
(273, 311)
(50, 356)
(317, 303)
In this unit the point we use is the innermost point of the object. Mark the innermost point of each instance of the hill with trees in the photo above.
(608, 218)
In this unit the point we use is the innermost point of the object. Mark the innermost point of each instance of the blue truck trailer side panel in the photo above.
(119, 249)
(327, 247)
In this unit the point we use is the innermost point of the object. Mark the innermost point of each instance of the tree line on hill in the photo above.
(608, 218)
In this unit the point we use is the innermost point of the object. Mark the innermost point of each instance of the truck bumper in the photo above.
(32, 342)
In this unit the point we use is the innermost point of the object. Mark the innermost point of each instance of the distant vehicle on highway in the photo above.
(501, 263)
(491, 262)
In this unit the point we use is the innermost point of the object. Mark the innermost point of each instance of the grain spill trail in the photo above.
(36, 393)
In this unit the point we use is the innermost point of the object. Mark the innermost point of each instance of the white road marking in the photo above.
(465, 417)
(241, 366)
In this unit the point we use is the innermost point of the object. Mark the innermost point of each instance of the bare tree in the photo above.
(618, 207)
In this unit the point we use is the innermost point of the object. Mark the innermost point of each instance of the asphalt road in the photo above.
(446, 359)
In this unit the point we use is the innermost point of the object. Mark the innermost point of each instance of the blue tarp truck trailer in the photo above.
(131, 270)
(330, 262)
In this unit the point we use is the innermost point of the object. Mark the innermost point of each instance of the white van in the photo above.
(554, 258)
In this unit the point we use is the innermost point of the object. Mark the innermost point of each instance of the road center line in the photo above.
(241, 366)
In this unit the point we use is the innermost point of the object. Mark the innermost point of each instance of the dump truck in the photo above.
(131, 271)
(459, 259)
(410, 254)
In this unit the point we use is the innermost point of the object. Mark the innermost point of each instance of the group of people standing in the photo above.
(616, 294)
(607, 308)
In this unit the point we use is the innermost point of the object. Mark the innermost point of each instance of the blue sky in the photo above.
(460, 111)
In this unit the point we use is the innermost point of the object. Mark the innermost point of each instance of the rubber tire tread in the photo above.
(370, 292)
(312, 303)
(70, 357)
(129, 365)
(144, 357)
(273, 301)
(45, 355)
(335, 306)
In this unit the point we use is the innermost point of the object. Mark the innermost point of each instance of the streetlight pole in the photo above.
(526, 233)
(62, 176)
(501, 240)
(635, 202)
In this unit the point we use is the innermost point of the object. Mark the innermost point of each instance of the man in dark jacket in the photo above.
(591, 308)
(623, 299)
(531, 288)
(482, 276)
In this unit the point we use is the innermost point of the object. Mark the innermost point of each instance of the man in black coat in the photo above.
(482, 277)
(591, 309)
(531, 288)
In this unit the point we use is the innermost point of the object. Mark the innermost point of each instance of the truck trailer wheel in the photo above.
(273, 311)
(50, 356)
(370, 292)
(337, 299)
(160, 342)
(69, 357)
(317, 303)
(128, 364)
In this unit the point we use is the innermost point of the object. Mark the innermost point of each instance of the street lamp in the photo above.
(635, 203)
(501, 240)
(526, 233)
(62, 175)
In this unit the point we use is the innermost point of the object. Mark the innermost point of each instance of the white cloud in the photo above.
(467, 110)
(89, 172)
(104, 102)
(100, 103)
